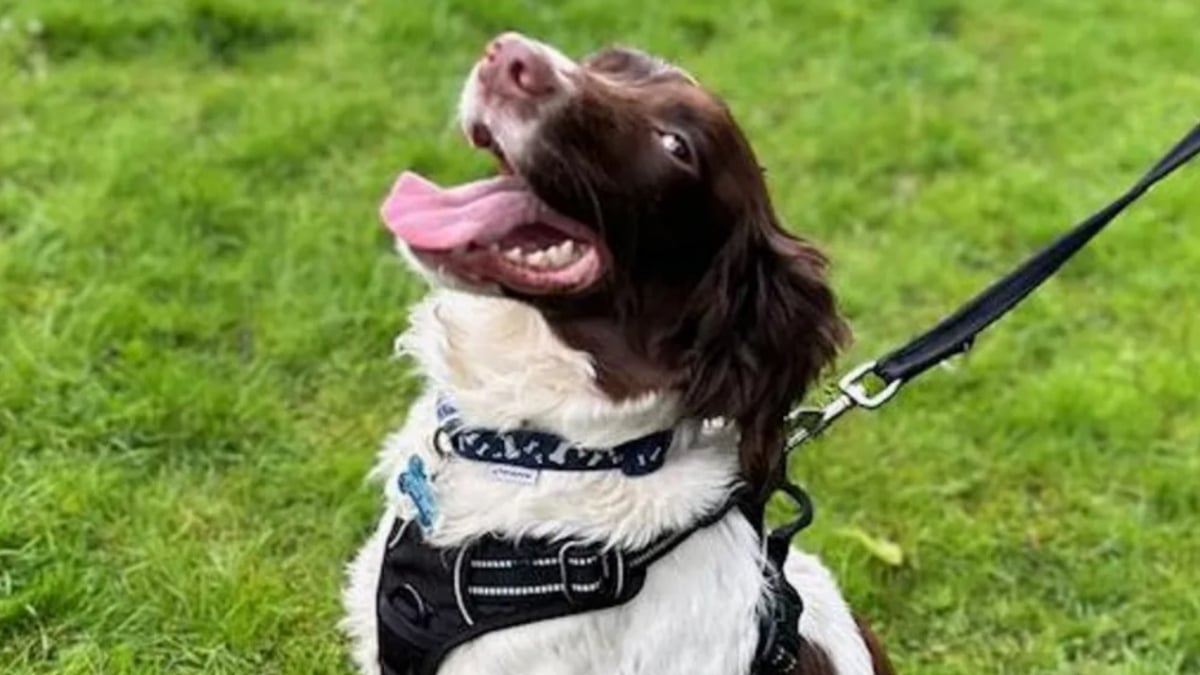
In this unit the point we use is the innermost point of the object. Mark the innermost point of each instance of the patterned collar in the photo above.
(540, 450)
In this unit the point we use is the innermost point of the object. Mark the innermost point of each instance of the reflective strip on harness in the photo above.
(430, 600)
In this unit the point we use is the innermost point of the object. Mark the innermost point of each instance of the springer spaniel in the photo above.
(624, 274)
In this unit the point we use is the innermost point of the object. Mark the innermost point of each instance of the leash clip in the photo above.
(806, 423)
(852, 385)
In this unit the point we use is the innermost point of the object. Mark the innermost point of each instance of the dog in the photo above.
(623, 274)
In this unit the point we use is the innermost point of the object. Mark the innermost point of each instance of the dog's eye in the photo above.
(676, 146)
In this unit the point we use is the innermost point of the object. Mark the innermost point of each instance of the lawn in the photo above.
(197, 306)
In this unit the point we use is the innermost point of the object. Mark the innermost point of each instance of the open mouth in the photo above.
(494, 230)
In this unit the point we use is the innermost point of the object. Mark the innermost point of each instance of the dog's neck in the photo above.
(506, 368)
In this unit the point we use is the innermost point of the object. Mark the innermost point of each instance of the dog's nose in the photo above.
(514, 67)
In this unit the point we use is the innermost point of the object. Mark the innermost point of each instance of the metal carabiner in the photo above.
(806, 423)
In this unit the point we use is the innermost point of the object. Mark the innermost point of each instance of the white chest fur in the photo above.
(696, 614)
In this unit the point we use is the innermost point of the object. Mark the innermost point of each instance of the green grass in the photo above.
(196, 308)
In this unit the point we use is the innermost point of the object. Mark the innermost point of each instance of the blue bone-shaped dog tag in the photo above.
(414, 482)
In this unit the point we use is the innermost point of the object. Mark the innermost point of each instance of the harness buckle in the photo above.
(564, 571)
(610, 568)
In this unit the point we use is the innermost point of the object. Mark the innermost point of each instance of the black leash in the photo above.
(955, 334)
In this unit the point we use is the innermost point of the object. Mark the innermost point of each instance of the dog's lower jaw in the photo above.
(697, 613)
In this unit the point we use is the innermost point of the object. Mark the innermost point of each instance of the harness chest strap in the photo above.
(431, 600)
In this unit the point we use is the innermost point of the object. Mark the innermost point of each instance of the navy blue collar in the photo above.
(542, 450)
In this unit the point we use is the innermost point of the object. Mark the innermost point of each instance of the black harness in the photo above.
(430, 599)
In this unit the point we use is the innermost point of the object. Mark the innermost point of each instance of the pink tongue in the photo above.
(430, 218)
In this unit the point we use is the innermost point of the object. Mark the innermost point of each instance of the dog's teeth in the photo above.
(577, 251)
(560, 255)
(573, 252)
(536, 259)
(557, 256)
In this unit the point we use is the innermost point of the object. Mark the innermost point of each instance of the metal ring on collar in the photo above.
(443, 445)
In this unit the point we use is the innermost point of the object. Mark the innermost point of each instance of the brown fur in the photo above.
(813, 661)
(880, 662)
(706, 292)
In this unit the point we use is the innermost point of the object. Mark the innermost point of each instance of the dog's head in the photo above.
(631, 211)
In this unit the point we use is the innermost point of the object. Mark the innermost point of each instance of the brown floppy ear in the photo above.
(760, 328)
